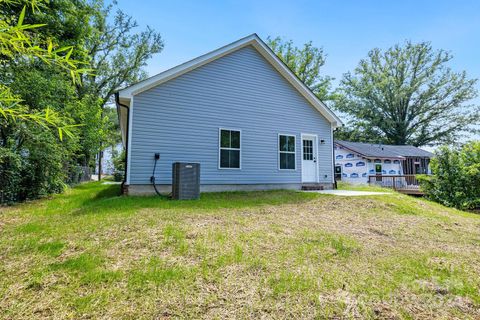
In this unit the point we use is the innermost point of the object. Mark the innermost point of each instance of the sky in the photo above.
(345, 29)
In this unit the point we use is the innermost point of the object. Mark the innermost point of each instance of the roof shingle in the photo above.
(384, 150)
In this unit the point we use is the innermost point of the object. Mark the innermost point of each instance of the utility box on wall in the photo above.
(185, 181)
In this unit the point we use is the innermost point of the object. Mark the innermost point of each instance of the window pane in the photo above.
(229, 158)
(291, 143)
(283, 161)
(307, 150)
(287, 160)
(283, 143)
(307, 156)
(235, 139)
(225, 138)
(290, 161)
(234, 159)
(224, 158)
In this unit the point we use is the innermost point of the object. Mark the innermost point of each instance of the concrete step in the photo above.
(312, 186)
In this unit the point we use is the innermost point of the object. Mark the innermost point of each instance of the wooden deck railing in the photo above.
(403, 183)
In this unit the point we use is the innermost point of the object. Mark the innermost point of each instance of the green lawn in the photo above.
(361, 187)
(90, 253)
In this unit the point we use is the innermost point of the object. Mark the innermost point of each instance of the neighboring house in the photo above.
(240, 112)
(355, 161)
(107, 159)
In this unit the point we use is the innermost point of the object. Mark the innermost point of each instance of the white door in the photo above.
(309, 158)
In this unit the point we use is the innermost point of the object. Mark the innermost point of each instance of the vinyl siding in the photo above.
(180, 119)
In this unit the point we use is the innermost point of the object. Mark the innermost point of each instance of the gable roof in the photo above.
(409, 151)
(127, 93)
(370, 150)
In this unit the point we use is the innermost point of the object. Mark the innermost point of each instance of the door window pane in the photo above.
(307, 149)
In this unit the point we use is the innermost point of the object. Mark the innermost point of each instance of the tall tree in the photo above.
(116, 49)
(21, 41)
(119, 54)
(36, 97)
(44, 87)
(306, 63)
(408, 95)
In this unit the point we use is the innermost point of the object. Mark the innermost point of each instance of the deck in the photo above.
(407, 184)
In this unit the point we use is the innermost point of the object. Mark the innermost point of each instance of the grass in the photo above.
(90, 253)
(361, 187)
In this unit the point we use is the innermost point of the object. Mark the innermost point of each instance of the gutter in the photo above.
(117, 102)
(333, 158)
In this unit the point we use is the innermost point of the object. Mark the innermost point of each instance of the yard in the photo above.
(90, 253)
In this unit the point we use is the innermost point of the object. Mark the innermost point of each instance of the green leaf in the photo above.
(21, 17)
(67, 56)
(31, 26)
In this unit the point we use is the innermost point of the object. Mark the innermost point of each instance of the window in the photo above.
(307, 149)
(286, 149)
(229, 149)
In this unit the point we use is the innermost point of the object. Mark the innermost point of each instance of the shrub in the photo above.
(118, 164)
(32, 168)
(456, 177)
(10, 175)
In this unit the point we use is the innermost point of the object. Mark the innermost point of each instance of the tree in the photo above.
(456, 177)
(306, 63)
(34, 114)
(118, 53)
(23, 42)
(115, 49)
(118, 56)
(43, 87)
(408, 95)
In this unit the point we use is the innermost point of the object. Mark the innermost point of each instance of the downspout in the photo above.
(117, 101)
(333, 158)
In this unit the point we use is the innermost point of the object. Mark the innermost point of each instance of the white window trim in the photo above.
(278, 150)
(220, 148)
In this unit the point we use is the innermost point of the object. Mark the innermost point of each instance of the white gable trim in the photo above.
(127, 93)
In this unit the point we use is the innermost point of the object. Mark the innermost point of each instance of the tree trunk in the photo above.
(100, 153)
(100, 163)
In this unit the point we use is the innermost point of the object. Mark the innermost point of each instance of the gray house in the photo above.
(240, 112)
